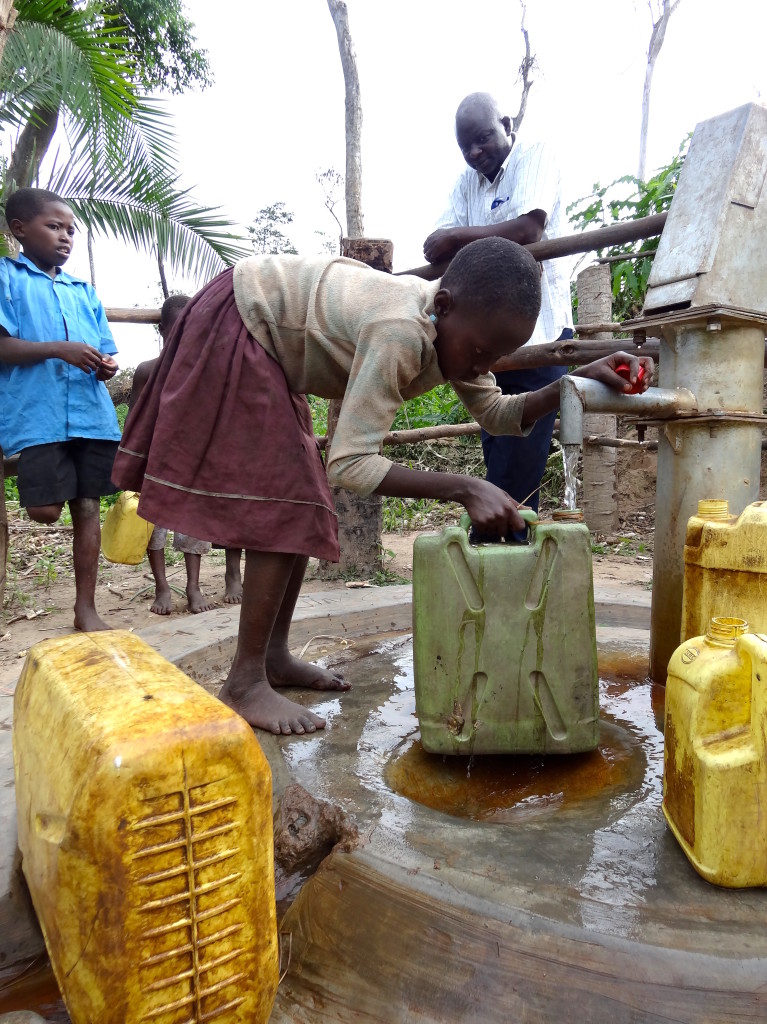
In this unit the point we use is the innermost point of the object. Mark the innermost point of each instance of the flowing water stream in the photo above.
(570, 454)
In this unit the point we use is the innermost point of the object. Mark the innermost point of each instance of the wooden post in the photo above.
(360, 520)
(600, 478)
(3, 538)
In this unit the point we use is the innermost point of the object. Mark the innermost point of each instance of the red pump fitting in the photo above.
(624, 370)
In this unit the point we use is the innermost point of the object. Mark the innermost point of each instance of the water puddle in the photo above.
(34, 988)
(514, 788)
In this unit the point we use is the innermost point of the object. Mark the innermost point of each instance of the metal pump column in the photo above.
(707, 301)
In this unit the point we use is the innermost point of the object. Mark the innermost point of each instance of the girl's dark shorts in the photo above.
(50, 474)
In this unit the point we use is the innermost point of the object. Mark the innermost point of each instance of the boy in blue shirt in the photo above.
(55, 355)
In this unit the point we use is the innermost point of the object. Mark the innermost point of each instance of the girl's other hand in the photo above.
(604, 370)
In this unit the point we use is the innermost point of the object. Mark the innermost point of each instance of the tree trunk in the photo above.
(599, 463)
(360, 520)
(163, 278)
(339, 13)
(31, 147)
(91, 257)
(656, 42)
(7, 17)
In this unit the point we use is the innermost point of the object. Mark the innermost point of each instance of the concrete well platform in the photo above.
(481, 891)
(503, 889)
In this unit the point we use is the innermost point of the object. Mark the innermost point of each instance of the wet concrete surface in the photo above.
(500, 889)
(507, 888)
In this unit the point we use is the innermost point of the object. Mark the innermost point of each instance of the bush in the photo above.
(628, 198)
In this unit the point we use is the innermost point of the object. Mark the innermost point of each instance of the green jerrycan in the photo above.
(504, 642)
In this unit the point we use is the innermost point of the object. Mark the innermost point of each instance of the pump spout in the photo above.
(579, 395)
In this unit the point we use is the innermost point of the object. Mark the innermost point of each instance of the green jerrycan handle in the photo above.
(529, 515)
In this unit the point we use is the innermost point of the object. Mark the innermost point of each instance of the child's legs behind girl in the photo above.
(78, 472)
(192, 550)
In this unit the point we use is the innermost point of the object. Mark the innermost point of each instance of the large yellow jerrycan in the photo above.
(715, 766)
(504, 642)
(145, 828)
(725, 567)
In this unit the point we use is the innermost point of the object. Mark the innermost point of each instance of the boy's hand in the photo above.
(83, 356)
(604, 370)
(108, 368)
(491, 509)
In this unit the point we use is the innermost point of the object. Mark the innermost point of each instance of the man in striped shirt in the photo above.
(510, 188)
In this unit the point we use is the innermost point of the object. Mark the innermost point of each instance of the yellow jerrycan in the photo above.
(715, 766)
(725, 567)
(124, 534)
(145, 828)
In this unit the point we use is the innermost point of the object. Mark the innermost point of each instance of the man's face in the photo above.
(47, 237)
(468, 343)
(484, 138)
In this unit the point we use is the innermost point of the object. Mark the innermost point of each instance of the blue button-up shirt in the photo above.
(51, 400)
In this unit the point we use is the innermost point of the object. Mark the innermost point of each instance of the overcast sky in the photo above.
(275, 114)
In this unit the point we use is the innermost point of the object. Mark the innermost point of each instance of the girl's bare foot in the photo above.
(262, 708)
(198, 602)
(233, 593)
(87, 620)
(163, 601)
(283, 669)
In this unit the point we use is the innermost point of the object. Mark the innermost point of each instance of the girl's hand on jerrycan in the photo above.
(492, 511)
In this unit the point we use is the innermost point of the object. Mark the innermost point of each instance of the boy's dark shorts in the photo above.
(50, 474)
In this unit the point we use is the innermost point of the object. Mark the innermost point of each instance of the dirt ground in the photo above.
(40, 590)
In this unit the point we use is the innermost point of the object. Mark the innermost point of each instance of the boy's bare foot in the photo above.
(87, 620)
(198, 602)
(163, 601)
(232, 591)
(264, 709)
(283, 670)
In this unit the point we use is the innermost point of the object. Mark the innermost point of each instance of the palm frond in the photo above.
(119, 173)
(148, 210)
(193, 241)
(59, 56)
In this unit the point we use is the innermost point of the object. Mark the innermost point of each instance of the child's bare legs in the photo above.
(197, 600)
(86, 542)
(268, 578)
(282, 668)
(232, 578)
(163, 599)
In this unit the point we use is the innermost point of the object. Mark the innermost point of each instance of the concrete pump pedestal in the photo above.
(570, 902)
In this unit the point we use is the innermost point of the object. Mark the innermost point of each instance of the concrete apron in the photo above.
(438, 918)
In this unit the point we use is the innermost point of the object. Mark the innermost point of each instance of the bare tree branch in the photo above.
(340, 16)
(529, 63)
(331, 182)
